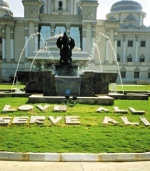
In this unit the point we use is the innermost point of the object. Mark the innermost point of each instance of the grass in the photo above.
(9, 86)
(90, 136)
(134, 87)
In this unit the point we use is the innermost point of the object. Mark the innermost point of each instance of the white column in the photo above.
(52, 30)
(68, 29)
(31, 46)
(84, 38)
(48, 5)
(53, 5)
(124, 51)
(8, 47)
(3, 48)
(136, 51)
(12, 48)
(93, 40)
(67, 7)
(107, 49)
(36, 43)
(88, 37)
(111, 53)
(27, 47)
(116, 49)
(71, 7)
(84, 44)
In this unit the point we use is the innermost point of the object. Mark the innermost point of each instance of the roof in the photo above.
(126, 5)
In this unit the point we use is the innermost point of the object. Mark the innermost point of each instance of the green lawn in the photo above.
(90, 136)
(9, 86)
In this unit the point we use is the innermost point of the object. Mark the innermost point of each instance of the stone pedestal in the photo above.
(49, 84)
(101, 82)
(38, 82)
(68, 85)
(87, 84)
(66, 70)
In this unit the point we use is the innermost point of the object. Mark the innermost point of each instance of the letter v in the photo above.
(53, 120)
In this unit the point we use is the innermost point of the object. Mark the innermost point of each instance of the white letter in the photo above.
(145, 121)
(72, 120)
(5, 120)
(20, 120)
(53, 120)
(42, 108)
(127, 122)
(7, 109)
(37, 119)
(25, 107)
(108, 119)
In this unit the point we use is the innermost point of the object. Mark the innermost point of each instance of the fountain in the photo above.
(89, 86)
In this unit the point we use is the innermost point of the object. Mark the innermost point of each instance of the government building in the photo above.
(120, 43)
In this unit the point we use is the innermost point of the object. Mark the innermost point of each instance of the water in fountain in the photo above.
(45, 49)
(95, 47)
(31, 36)
(17, 89)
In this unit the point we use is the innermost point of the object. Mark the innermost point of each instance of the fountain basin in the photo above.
(89, 82)
(101, 100)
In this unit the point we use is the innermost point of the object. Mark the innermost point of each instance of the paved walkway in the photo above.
(74, 166)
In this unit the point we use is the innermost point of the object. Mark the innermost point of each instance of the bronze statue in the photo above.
(65, 44)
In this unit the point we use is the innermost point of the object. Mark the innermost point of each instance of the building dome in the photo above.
(4, 8)
(3, 3)
(126, 5)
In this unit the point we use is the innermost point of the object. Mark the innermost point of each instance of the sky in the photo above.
(104, 8)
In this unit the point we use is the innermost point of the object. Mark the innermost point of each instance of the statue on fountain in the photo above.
(65, 44)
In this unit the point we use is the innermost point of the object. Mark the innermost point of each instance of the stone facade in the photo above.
(120, 43)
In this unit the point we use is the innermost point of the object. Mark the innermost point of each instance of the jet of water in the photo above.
(115, 57)
(31, 36)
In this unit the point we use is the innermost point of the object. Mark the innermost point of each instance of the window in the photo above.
(60, 29)
(118, 43)
(149, 74)
(129, 59)
(143, 44)
(45, 34)
(118, 57)
(130, 43)
(123, 74)
(42, 9)
(75, 34)
(136, 74)
(142, 59)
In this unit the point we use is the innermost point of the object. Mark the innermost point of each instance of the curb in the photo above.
(75, 157)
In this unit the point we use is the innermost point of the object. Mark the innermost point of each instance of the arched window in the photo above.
(129, 58)
(142, 58)
(148, 72)
(123, 73)
(137, 73)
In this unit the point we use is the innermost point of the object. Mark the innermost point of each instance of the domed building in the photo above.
(119, 43)
(4, 8)
(130, 40)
